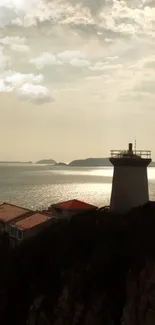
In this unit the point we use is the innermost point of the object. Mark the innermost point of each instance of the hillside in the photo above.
(95, 269)
(61, 164)
(90, 162)
(16, 162)
(46, 162)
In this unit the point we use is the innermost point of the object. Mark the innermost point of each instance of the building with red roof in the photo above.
(30, 225)
(21, 223)
(70, 208)
(10, 212)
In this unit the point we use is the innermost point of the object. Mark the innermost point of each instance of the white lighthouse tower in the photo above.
(130, 182)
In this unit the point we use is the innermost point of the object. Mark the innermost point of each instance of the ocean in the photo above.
(38, 186)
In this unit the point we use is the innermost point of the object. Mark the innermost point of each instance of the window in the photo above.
(12, 231)
(2, 225)
(19, 234)
(59, 211)
(7, 227)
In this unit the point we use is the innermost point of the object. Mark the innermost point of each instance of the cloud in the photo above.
(93, 6)
(11, 40)
(149, 63)
(5, 61)
(107, 40)
(45, 59)
(6, 15)
(18, 5)
(12, 9)
(126, 18)
(146, 86)
(96, 53)
(26, 87)
(19, 48)
(15, 43)
(107, 18)
(80, 63)
(74, 58)
(103, 66)
(112, 58)
(78, 39)
(17, 79)
(34, 93)
(34, 12)
(3, 87)
(67, 56)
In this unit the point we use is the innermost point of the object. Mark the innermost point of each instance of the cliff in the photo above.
(140, 295)
(99, 268)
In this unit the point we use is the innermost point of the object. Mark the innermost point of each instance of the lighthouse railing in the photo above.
(145, 154)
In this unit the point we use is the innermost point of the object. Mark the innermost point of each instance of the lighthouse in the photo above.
(130, 182)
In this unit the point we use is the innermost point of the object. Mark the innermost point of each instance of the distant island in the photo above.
(46, 162)
(16, 162)
(60, 164)
(88, 162)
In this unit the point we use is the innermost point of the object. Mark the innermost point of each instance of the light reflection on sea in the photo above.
(37, 186)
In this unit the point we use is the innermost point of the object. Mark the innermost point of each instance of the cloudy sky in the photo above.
(77, 78)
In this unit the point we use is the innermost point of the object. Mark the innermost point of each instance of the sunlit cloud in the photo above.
(76, 41)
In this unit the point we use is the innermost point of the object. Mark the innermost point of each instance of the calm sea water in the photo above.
(36, 186)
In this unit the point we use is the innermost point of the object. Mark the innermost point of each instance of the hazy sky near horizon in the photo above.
(77, 78)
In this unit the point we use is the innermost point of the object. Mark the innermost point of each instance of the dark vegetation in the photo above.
(90, 255)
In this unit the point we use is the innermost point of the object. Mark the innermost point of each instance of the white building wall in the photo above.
(129, 188)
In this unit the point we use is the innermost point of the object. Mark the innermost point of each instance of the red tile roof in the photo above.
(74, 205)
(32, 221)
(9, 212)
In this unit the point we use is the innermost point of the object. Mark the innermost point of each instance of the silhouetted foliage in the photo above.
(90, 254)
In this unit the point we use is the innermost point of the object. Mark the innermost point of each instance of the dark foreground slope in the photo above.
(78, 272)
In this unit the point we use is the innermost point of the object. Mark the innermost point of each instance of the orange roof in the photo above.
(9, 212)
(32, 221)
(74, 205)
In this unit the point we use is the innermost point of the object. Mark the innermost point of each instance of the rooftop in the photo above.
(9, 212)
(138, 154)
(74, 205)
(32, 221)
(130, 153)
